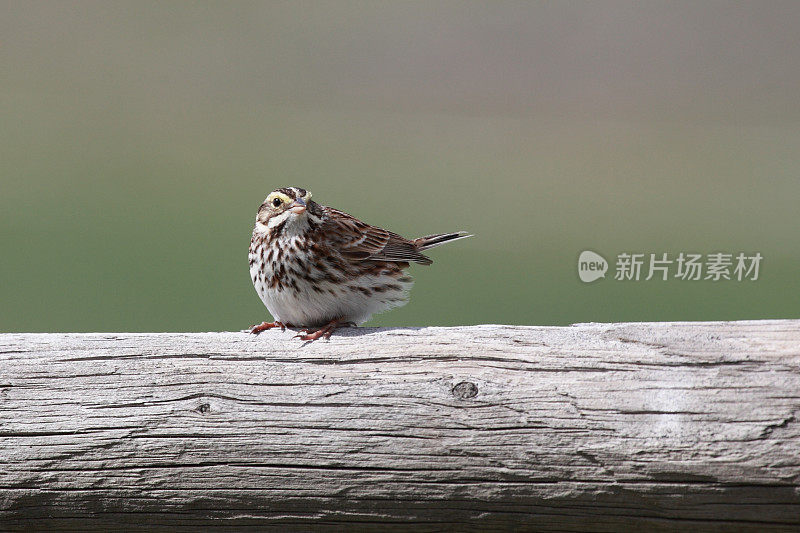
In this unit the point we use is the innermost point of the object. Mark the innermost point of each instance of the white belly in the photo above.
(307, 307)
(315, 303)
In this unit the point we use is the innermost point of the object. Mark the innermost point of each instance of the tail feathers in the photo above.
(431, 241)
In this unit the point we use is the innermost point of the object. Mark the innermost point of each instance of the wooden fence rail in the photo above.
(599, 427)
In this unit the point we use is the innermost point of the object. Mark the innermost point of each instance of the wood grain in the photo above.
(593, 427)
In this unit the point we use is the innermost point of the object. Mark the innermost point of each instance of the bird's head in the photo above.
(286, 206)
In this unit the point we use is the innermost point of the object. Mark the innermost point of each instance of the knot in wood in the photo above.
(465, 390)
(204, 407)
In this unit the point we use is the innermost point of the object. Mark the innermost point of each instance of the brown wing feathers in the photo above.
(363, 242)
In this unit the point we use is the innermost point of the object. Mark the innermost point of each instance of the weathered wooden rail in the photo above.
(595, 427)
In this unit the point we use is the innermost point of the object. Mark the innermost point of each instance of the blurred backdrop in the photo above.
(139, 138)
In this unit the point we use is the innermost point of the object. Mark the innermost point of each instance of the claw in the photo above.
(264, 326)
(322, 332)
(325, 331)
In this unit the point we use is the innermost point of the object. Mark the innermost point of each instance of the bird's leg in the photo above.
(264, 326)
(325, 331)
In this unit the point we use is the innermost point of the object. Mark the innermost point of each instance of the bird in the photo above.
(317, 268)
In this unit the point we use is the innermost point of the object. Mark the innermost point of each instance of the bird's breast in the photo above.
(305, 285)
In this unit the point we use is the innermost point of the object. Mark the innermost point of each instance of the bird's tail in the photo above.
(431, 241)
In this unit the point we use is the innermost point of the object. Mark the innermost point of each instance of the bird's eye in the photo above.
(276, 202)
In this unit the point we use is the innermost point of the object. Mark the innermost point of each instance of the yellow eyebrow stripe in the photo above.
(280, 195)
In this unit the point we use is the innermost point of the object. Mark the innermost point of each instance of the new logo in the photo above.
(591, 266)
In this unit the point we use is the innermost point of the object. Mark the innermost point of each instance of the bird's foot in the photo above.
(325, 331)
(264, 326)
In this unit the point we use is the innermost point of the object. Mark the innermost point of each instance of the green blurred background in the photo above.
(139, 138)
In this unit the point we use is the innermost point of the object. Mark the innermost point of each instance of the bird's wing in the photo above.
(359, 241)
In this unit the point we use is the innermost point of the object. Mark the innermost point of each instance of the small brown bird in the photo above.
(317, 268)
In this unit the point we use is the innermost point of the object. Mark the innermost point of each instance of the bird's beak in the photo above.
(298, 206)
